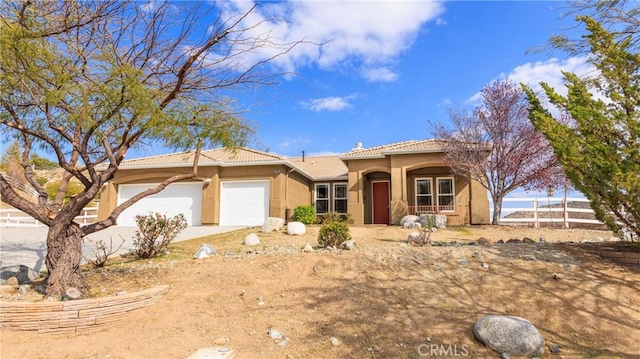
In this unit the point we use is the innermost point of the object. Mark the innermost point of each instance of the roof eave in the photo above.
(360, 157)
(221, 164)
(382, 154)
(409, 152)
(339, 178)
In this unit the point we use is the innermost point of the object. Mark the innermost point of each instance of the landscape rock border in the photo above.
(75, 316)
(624, 258)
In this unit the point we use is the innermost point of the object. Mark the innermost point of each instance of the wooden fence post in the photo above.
(536, 223)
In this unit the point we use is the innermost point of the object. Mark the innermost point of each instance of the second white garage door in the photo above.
(185, 198)
(244, 203)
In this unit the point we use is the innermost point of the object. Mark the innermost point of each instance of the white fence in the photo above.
(553, 210)
(20, 186)
(17, 218)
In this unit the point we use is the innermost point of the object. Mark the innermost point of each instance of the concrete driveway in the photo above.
(28, 245)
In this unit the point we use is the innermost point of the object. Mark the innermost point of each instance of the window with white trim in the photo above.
(340, 198)
(424, 194)
(321, 199)
(446, 194)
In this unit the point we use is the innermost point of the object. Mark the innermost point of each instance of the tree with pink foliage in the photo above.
(497, 146)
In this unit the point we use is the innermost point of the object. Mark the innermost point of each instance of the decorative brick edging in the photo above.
(626, 258)
(76, 315)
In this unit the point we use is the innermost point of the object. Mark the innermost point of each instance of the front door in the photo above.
(380, 202)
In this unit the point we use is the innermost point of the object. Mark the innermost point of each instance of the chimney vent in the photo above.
(302, 156)
(358, 146)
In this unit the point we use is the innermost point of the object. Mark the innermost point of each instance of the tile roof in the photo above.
(322, 167)
(314, 167)
(219, 156)
(240, 155)
(412, 146)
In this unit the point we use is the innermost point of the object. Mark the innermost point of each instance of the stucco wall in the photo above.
(295, 190)
(402, 170)
(289, 189)
(299, 192)
(359, 190)
(479, 204)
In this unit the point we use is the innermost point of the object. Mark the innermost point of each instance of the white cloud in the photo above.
(149, 6)
(445, 102)
(441, 22)
(290, 144)
(379, 74)
(550, 71)
(331, 103)
(365, 35)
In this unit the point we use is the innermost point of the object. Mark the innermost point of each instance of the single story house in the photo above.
(377, 185)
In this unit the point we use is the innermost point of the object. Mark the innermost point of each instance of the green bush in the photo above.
(41, 180)
(42, 163)
(305, 214)
(155, 232)
(333, 234)
(73, 189)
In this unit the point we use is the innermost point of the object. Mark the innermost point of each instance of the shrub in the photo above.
(305, 214)
(73, 188)
(333, 234)
(102, 253)
(331, 217)
(155, 232)
(42, 163)
(429, 221)
(41, 180)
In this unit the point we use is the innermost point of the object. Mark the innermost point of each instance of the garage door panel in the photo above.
(185, 198)
(244, 203)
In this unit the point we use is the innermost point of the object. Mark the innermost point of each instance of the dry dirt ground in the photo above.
(382, 300)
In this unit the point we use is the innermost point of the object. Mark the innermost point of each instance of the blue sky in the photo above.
(425, 57)
(389, 67)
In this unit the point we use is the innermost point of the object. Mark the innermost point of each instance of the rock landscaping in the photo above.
(383, 298)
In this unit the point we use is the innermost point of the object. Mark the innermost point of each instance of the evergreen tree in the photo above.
(10, 162)
(600, 148)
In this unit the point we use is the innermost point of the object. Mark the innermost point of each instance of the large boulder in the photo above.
(412, 225)
(296, 228)
(413, 237)
(23, 273)
(251, 239)
(408, 219)
(348, 245)
(272, 224)
(509, 335)
(205, 251)
(438, 220)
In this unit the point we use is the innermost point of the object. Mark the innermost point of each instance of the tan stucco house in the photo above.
(377, 185)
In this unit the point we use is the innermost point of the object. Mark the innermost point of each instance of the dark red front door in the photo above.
(380, 202)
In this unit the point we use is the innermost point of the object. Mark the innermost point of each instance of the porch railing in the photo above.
(417, 210)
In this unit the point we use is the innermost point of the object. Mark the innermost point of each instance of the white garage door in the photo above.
(185, 198)
(244, 203)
